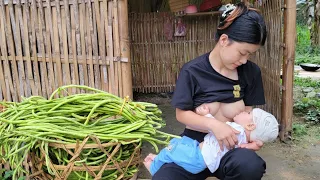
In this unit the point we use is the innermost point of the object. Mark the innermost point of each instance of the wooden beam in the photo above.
(288, 68)
(70, 59)
(45, 4)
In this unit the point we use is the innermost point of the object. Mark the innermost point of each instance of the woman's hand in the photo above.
(225, 135)
(255, 145)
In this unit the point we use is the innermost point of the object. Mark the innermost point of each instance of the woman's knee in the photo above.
(243, 164)
(172, 171)
(169, 172)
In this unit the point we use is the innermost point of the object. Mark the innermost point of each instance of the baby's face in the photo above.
(244, 118)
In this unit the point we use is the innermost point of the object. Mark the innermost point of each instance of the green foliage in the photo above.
(303, 40)
(299, 129)
(302, 13)
(305, 131)
(313, 115)
(309, 108)
(301, 106)
(306, 82)
(307, 58)
(305, 52)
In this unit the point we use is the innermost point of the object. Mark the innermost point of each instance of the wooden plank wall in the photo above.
(45, 44)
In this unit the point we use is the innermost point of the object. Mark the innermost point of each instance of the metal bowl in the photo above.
(310, 67)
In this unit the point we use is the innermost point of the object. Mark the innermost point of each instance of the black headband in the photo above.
(243, 29)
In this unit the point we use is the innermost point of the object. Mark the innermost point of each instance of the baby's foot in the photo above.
(148, 160)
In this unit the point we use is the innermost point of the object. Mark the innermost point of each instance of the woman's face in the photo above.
(234, 54)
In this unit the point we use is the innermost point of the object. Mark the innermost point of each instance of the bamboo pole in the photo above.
(125, 49)
(97, 76)
(149, 76)
(67, 42)
(19, 49)
(75, 40)
(106, 69)
(288, 67)
(110, 48)
(102, 44)
(2, 79)
(4, 50)
(41, 48)
(33, 39)
(49, 40)
(82, 24)
(116, 44)
(26, 40)
(11, 49)
(57, 43)
(65, 20)
(89, 20)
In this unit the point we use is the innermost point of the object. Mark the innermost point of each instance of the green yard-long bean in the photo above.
(35, 122)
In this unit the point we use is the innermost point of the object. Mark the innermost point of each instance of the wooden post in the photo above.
(288, 68)
(315, 41)
(125, 49)
(245, 2)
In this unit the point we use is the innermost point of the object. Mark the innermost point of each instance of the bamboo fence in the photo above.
(270, 56)
(49, 43)
(156, 61)
(44, 46)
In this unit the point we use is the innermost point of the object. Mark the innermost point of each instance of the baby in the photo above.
(257, 125)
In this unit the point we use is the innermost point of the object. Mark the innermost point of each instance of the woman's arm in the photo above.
(224, 133)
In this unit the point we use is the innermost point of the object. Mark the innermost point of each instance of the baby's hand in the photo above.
(202, 110)
(255, 145)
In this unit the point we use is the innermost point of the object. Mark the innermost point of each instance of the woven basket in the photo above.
(62, 172)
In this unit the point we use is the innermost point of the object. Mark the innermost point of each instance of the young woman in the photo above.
(231, 84)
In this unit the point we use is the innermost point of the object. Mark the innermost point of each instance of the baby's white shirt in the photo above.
(211, 150)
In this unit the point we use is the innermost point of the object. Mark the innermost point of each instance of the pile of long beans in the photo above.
(35, 122)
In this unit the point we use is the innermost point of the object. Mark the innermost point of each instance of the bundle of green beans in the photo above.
(35, 122)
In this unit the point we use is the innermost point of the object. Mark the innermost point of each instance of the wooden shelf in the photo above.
(201, 14)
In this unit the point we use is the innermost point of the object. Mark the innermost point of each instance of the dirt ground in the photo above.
(298, 159)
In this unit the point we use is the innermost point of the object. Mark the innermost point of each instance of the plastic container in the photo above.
(191, 9)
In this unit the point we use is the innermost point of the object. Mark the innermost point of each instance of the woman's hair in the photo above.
(243, 24)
